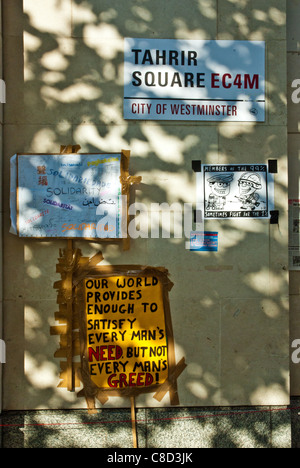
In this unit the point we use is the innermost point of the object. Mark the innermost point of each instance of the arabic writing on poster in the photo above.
(126, 332)
(236, 191)
(74, 195)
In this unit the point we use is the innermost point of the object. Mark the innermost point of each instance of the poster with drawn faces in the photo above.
(236, 191)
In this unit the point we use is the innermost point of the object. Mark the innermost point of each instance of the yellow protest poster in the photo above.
(118, 320)
(126, 336)
(126, 332)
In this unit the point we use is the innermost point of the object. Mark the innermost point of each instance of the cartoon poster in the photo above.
(236, 191)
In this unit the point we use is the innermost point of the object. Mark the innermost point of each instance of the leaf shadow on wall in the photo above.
(230, 308)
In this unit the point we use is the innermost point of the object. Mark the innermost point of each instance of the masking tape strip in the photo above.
(64, 374)
(69, 149)
(61, 316)
(169, 384)
(58, 330)
(69, 340)
(86, 266)
(171, 350)
(62, 351)
(90, 391)
(127, 181)
(69, 296)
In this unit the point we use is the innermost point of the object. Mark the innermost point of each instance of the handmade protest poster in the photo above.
(125, 334)
(236, 191)
(70, 195)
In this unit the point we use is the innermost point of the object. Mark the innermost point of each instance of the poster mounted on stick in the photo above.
(125, 335)
(126, 332)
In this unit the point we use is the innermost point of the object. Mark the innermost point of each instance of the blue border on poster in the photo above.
(204, 241)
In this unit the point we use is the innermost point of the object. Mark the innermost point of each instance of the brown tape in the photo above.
(90, 392)
(69, 149)
(84, 267)
(61, 315)
(69, 294)
(68, 342)
(64, 374)
(62, 351)
(127, 181)
(58, 330)
(169, 384)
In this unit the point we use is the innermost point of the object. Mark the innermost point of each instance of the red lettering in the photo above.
(251, 84)
(123, 380)
(119, 352)
(112, 383)
(224, 83)
(132, 377)
(102, 353)
(94, 354)
(105, 353)
(131, 380)
(245, 81)
(110, 353)
(215, 80)
(140, 382)
(238, 81)
(149, 380)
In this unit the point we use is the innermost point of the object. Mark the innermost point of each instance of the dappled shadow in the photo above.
(230, 308)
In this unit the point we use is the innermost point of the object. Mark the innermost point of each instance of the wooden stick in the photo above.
(69, 286)
(133, 422)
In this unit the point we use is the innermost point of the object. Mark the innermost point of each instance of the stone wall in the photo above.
(63, 63)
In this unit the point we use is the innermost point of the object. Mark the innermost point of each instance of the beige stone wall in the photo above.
(63, 61)
(293, 48)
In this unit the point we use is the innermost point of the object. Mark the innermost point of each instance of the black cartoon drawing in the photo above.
(220, 189)
(236, 191)
(249, 183)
